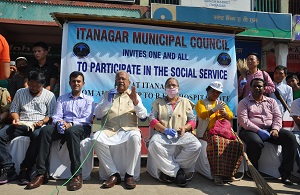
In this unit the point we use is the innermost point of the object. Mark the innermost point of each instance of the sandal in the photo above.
(219, 181)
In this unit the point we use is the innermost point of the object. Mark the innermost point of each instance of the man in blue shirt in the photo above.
(71, 122)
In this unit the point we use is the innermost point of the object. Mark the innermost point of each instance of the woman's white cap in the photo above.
(217, 86)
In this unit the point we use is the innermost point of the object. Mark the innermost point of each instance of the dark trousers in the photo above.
(72, 136)
(6, 135)
(287, 140)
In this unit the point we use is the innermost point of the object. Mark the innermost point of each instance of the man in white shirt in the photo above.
(119, 110)
(284, 90)
(295, 113)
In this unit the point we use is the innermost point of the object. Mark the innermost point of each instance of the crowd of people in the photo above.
(30, 108)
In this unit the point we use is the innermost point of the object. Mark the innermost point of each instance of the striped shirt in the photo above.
(253, 115)
(33, 108)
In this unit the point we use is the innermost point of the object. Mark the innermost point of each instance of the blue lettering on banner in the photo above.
(212, 74)
(161, 71)
(154, 54)
(110, 67)
(183, 72)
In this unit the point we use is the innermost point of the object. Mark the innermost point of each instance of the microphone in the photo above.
(112, 94)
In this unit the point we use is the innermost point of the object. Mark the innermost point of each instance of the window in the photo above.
(266, 5)
(174, 2)
(294, 7)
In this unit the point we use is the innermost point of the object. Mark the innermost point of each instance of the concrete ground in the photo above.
(150, 186)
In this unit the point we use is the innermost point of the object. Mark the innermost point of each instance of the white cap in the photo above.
(12, 63)
(21, 58)
(217, 86)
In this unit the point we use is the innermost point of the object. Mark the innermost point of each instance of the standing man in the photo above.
(254, 72)
(261, 121)
(40, 50)
(4, 59)
(31, 108)
(293, 81)
(71, 122)
(282, 89)
(18, 80)
(119, 109)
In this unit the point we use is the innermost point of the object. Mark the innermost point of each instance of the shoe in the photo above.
(7, 175)
(181, 178)
(285, 179)
(24, 176)
(129, 182)
(75, 184)
(37, 182)
(166, 178)
(112, 180)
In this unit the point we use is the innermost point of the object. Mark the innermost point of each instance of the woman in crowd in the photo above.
(173, 149)
(224, 155)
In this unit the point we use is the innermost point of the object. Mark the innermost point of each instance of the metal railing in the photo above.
(174, 2)
(266, 5)
(294, 7)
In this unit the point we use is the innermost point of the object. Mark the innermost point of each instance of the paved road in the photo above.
(149, 186)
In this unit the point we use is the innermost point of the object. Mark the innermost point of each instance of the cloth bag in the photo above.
(222, 128)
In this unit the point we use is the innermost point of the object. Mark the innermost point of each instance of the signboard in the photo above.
(296, 23)
(150, 55)
(241, 5)
(258, 24)
(243, 48)
(18, 49)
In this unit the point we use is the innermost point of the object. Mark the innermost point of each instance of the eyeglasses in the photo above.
(258, 86)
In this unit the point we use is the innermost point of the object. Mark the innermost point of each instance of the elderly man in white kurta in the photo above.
(119, 110)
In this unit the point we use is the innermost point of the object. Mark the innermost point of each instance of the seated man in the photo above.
(261, 121)
(71, 122)
(5, 101)
(32, 106)
(295, 113)
(293, 81)
(119, 109)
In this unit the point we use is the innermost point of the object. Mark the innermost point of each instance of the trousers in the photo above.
(8, 134)
(287, 140)
(72, 137)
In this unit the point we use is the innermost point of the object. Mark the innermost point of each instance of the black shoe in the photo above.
(181, 178)
(285, 178)
(7, 175)
(166, 178)
(24, 176)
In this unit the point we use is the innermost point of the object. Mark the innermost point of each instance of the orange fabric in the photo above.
(4, 55)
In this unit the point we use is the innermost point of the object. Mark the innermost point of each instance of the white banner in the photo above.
(150, 55)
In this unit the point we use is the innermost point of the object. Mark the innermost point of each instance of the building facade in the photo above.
(24, 22)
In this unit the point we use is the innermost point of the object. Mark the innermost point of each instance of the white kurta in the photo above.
(169, 156)
(130, 140)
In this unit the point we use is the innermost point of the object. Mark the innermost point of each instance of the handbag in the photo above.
(222, 128)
